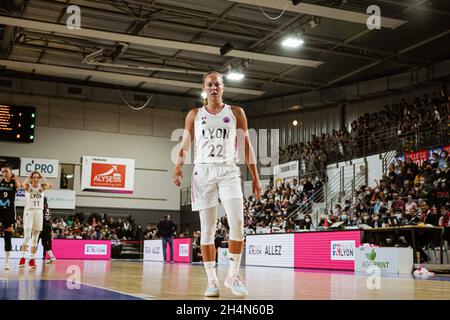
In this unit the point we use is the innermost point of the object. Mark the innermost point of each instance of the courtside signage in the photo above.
(274, 250)
(153, 250)
(48, 167)
(95, 249)
(343, 250)
(16, 252)
(184, 250)
(107, 174)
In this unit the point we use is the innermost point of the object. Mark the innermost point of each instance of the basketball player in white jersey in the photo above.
(215, 127)
(33, 214)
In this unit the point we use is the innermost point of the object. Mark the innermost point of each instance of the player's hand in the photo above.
(177, 176)
(256, 188)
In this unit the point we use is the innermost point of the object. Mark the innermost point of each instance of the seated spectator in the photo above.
(410, 206)
(376, 221)
(444, 218)
(432, 217)
(306, 223)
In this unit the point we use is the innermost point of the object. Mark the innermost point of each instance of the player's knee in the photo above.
(236, 235)
(35, 238)
(207, 237)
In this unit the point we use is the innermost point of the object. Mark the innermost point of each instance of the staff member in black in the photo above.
(8, 189)
(166, 229)
(46, 234)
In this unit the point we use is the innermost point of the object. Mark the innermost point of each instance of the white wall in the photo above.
(67, 129)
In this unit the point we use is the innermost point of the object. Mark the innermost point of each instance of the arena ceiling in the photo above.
(165, 45)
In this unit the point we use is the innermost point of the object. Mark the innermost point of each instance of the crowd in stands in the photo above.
(96, 227)
(408, 193)
(421, 122)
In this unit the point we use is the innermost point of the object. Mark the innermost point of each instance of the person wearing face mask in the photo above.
(444, 160)
(428, 174)
(367, 195)
(366, 219)
(337, 210)
(376, 221)
(424, 190)
(399, 217)
(354, 221)
(344, 218)
(306, 222)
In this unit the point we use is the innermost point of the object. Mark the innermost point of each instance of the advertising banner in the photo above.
(384, 260)
(153, 250)
(418, 157)
(285, 172)
(48, 167)
(273, 250)
(182, 248)
(82, 249)
(16, 252)
(107, 174)
(326, 250)
(57, 199)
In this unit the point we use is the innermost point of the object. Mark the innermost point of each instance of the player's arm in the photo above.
(249, 154)
(45, 185)
(186, 142)
(26, 184)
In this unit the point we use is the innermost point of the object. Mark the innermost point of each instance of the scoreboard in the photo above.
(17, 123)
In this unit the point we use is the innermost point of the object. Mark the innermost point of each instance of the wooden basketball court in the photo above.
(129, 280)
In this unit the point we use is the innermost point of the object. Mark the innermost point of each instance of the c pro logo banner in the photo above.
(108, 175)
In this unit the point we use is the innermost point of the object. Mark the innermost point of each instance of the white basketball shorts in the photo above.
(211, 181)
(33, 219)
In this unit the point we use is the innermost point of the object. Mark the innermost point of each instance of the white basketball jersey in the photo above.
(216, 137)
(34, 198)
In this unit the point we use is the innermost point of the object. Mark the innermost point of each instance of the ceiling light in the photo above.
(203, 95)
(235, 75)
(292, 41)
(295, 122)
(313, 23)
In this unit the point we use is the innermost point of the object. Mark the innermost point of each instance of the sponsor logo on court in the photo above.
(267, 251)
(153, 250)
(95, 249)
(343, 250)
(108, 175)
(370, 261)
(184, 250)
(255, 249)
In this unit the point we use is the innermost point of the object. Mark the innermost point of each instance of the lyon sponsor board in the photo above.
(326, 250)
(107, 174)
(82, 249)
(342, 250)
(274, 250)
(153, 250)
(182, 250)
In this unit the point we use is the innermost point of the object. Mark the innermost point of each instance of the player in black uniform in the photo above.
(46, 234)
(8, 188)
